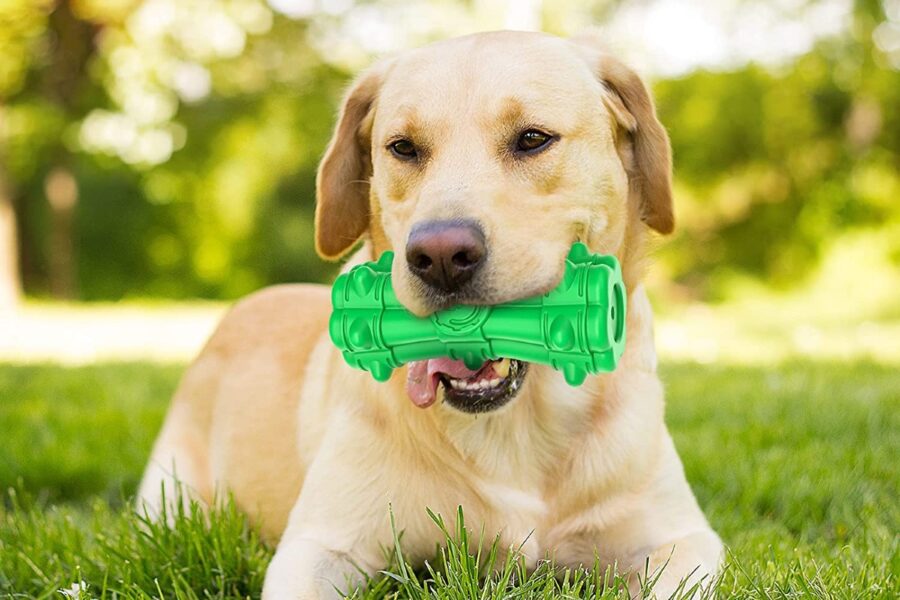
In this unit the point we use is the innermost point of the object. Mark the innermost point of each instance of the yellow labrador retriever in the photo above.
(478, 161)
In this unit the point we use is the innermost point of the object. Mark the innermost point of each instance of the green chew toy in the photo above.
(577, 328)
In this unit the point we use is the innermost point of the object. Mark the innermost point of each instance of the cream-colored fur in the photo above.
(316, 452)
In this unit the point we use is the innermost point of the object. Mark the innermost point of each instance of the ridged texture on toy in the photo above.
(577, 328)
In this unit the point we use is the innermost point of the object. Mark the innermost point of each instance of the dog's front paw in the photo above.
(304, 570)
(683, 569)
(287, 580)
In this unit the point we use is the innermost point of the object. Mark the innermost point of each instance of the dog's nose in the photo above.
(445, 254)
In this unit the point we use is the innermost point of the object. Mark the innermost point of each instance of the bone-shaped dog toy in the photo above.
(577, 328)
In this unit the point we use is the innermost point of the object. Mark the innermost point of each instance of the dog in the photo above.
(479, 161)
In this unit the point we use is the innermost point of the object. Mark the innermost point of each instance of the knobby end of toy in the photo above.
(574, 375)
(578, 252)
(385, 261)
(380, 372)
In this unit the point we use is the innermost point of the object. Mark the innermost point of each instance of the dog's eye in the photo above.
(533, 140)
(403, 149)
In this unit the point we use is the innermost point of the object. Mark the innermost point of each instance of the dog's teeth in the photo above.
(501, 367)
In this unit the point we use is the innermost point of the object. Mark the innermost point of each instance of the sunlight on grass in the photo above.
(81, 333)
(760, 329)
(847, 310)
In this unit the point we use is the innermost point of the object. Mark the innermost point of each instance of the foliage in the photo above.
(193, 129)
(793, 464)
(245, 119)
(773, 167)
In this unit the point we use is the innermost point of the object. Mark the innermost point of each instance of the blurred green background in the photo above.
(166, 149)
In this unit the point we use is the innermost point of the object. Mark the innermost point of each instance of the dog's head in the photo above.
(479, 161)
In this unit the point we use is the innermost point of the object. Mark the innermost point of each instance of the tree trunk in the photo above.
(62, 194)
(10, 280)
(63, 82)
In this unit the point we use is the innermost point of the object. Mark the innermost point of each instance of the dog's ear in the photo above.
(342, 182)
(647, 155)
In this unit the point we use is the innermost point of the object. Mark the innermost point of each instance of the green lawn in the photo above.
(796, 466)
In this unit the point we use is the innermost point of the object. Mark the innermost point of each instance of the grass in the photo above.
(795, 465)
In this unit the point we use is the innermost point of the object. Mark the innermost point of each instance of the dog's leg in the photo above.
(178, 469)
(175, 474)
(654, 532)
(339, 528)
(681, 552)
(691, 561)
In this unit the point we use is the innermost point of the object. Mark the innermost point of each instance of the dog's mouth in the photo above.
(484, 389)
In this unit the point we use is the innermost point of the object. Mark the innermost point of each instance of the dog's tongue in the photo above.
(422, 378)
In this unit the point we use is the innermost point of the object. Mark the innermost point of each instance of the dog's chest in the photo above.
(514, 458)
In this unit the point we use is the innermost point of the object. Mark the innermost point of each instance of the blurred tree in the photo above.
(10, 287)
(43, 86)
(21, 26)
(168, 147)
(773, 165)
(220, 110)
